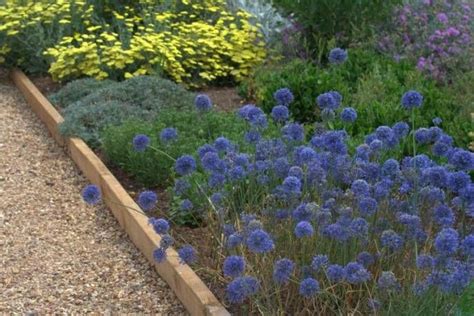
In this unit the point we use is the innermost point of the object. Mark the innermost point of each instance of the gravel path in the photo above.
(58, 255)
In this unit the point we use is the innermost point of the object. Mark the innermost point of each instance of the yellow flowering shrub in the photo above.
(193, 42)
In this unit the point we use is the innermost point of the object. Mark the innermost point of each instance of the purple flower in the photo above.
(467, 246)
(160, 225)
(168, 134)
(309, 287)
(280, 113)
(348, 115)
(293, 132)
(259, 241)
(283, 96)
(447, 242)
(412, 99)
(233, 266)
(319, 262)
(337, 56)
(388, 281)
(241, 288)
(304, 229)
(356, 273)
(140, 142)
(335, 273)
(185, 165)
(147, 200)
(391, 240)
(187, 254)
(91, 194)
(159, 254)
(203, 103)
(442, 17)
(282, 271)
(424, 261)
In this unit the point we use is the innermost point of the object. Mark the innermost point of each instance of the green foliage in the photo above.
(466, 304)
(76, 90)
(140, 97)
(373, 85)
(348, 20)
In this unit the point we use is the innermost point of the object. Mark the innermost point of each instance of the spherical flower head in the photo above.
(391, 240)
(337, 56)
(280, 113)
(412, 99)
(233, 266)
(401, 129)
(159, 254)
(365, 258)
(282, 270)
(442, 17)
(422, 136)
(147, 200)
(367, 206)
(309, 287)
(91, 194)
(437, 121)
(185, 165)
(319, 262)
(234, 240)
(292, 185)
(304, 229)
(443, 215)
(447, 242)
(293, 132)
(335, 273)
(203, 103)
(237, 173)
(356, 273)
(303, 213)
(160, 225)
(222, 144)
(328, 100)
(359, 227)
(283, 96)
(390, 168)
(204, 149)
(462, 160)
(467, 246)
(168, 134)
(166, 241)
(424, 262)
(349, 115)
(259, 241)
(360, 187)
(187, 254)
(186, 205)
(387, 281)
(140, 142)
(217, 198)
(241, 288)
(457, 181)
(296, 171)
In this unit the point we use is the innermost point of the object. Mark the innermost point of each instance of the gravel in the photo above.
(57, 254)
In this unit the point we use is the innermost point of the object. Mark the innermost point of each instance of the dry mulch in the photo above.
(57, 254)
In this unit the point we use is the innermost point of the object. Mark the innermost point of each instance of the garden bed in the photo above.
(193, 293)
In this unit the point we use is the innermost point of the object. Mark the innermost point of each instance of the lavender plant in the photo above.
(435, 34)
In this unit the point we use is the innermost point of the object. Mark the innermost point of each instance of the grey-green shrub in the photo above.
(76, 90)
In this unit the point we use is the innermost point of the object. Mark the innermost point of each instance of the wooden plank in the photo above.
(189, 288)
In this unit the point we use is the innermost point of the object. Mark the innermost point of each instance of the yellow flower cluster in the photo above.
(193, 42)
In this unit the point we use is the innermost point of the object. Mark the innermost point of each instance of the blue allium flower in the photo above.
(292, 185)
(216, 179)
(335, 273)
(391, 168)
(412, 99)
(233, 266)
(147, 200)
(365, 258)
(386, 135)
(436, 176)
(305, 155)
(259, 241)
(280, 113)
(443, 215)
(204, 149)
(237, 173)
(282, 270)
(437, 121)
(457, 181)
(159, 254)
(401, 129)
(336, 231)
(304, 212)
(186, 205)
(467, 246)
(391, 240)
(234, 241)
(166, 241)
(447, 242)
(462, 160)
(349, 115)
(216, 198)
(241, 288)
(212, 162)
(181, 186)
(388, 281)
(309, 287)
(356, 273)
(319, 262)
(160, 225)
(293, 132)
(91, 194)
(185, 165)
(296, 172)
(283, 96)
(360, 187)
(168, 134)
(228, 229)
(359, 227)
(337, 56)
(187, 254)
(440, 148)
(222, 144)
(140, 142)
(328, 100)
(202, 102)
(422, 135)
(424, 261)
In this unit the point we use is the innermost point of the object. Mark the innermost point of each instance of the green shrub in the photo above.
(140, 97)
(373, 85)
(76, 90)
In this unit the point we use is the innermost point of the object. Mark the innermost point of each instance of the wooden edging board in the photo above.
(189, 288)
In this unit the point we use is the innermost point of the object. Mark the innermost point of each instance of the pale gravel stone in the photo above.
(57, 254)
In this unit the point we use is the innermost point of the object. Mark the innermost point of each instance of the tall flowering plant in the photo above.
(435, 34)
